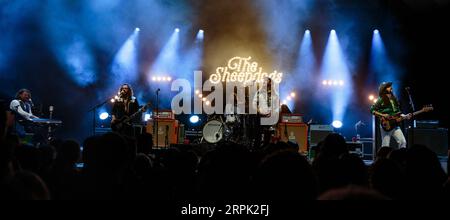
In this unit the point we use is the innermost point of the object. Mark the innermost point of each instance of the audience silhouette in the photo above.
(111, 166)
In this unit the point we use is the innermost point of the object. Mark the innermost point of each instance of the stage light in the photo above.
(162, 78)
(293, 94)
(113, 100)
(194, 119)
(333, 82)
(284, 102)
(177, 30)
(334, 69)
(381, 67)
(137, 29)
(307, 32)
(167, 58)
(147, 117)
(104, 115)
(200, 95)
(204, 99)
(200, 35)
(197, 92)
(374, 101)
(125, 63)
(337, 124)
(288, 98)
(207, 102)
(371, 97)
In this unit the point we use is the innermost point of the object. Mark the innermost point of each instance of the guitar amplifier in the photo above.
(296, 133)
(318, 133)
(292, 118)
(164, 114)
(166, 134)
(435, 139)
(430, 124)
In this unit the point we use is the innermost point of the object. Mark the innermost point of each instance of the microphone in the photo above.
(157, 91)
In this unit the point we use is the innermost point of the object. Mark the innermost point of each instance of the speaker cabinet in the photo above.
(294, 132)
(166, 134)
(318, 133)
(435, 139)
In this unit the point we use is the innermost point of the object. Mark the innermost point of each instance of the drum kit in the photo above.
(232, 126)
(223, 127)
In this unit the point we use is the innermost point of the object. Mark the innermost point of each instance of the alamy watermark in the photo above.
(262, 97)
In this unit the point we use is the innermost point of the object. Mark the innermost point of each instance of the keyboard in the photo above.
(46, 121)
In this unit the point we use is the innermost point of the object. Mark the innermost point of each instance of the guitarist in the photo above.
(125, 105)
(387, 105)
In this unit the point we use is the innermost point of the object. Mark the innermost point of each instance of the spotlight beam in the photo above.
(335, 70)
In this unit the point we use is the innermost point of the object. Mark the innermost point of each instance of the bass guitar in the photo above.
(391, 122)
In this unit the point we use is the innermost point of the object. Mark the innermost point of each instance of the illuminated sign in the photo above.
(243, 70)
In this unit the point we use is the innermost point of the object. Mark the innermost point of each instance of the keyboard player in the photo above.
(21, 106)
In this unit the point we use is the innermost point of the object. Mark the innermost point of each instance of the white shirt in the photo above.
(16, 107)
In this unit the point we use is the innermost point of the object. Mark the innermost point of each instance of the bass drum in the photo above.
(213, 131)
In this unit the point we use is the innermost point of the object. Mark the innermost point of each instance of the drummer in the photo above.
(232, 110)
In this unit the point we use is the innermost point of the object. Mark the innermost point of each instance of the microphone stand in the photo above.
(166, 141)
(411, 105)
(94, 114)
(155, 118)
(49, 134)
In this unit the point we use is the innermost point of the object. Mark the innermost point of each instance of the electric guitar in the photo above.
(125, 121)
(391, 122)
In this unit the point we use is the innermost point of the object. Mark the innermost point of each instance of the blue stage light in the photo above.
(147, 116)
(103, 115)
(194, 119)
(200, 35)
(337, 124)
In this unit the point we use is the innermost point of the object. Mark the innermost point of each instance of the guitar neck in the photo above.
(418, 112)
(138, 111)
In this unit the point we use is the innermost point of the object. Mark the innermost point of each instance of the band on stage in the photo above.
(233, 125)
